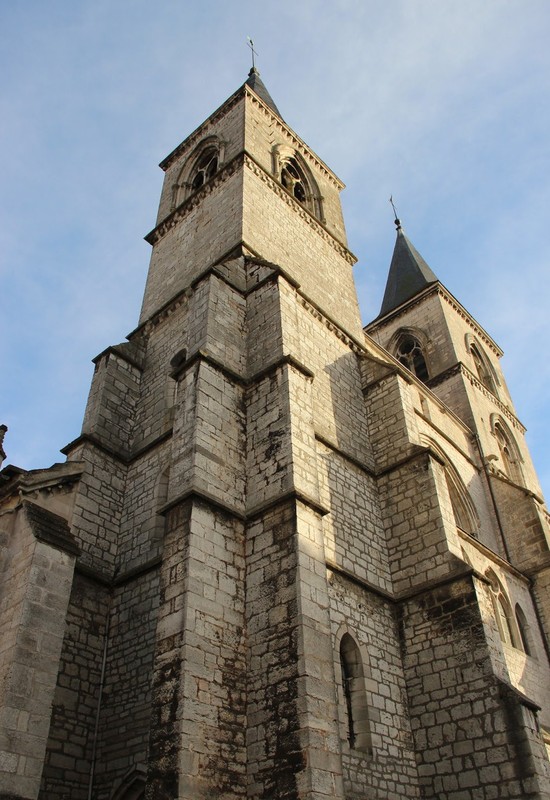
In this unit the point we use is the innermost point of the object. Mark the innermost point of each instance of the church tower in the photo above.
(280, 561)
(434, 336)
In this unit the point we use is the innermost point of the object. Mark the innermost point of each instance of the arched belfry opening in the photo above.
(295, 176)
(198, 169)
(409, 348)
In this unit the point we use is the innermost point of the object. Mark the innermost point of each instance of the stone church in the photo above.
(287, 558)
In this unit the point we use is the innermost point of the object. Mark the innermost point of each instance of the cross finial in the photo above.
(254, 53)
(397, 220)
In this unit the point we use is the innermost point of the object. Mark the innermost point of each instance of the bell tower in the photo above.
(433, 335)
(209, 417)
(285, 559)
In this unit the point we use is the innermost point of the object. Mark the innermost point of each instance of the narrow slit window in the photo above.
(359, 735)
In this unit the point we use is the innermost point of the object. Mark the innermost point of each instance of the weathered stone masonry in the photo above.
(286, 558)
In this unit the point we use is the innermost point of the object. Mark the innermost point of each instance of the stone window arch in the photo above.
(295, 176)
(502, 611)
(510, 459)
(199, 168)
(409, 348)
(463, 507)
(132, 786)
(524, 631)
(353, 683)
(205, 168)
(483, 368)
(464, 510)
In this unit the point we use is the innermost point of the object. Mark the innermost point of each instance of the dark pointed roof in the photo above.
(408, 274)
(257, 85)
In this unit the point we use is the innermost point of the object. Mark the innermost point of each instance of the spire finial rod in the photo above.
(253, 52)
(396, 220)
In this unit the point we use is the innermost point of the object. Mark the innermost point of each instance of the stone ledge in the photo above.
(50, 528)
(292, 494)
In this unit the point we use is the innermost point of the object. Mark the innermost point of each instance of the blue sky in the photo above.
(445, 104)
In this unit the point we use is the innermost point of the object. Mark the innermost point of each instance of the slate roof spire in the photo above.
(408, 274)
(258, 86)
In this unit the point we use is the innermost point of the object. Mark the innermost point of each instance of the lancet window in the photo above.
(464, 511)
(483, 368)
(509, 456)
(524, 630)
(353, 680)
(503, 613)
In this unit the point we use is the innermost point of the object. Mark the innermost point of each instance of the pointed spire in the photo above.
(257, 85)
(408, 274)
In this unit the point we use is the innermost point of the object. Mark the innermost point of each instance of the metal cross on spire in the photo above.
(254, 53)
(397, 220)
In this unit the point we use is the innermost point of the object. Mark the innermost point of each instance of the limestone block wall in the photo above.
(468, 743)
(142, 526)
(264, 327)
(355, 539)
(224, 331)
(36, 579)
(392, 420)
(208, 446)
(208, 226)
(269, 456)
(388, 769)
(523, 525)
(112, 401)
(280, 230)
(98, 506)
(164, 337)
(291, 696)
(125, 713)
(420, 528)
(450, 390)
(71, 742)
(219, 436)
(198, 722)
(338, 405)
